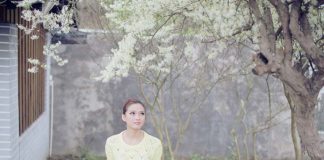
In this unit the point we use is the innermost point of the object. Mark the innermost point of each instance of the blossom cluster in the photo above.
(52, 51)
(158, 25)
(59, 23)
(120, 63)
(53, 22)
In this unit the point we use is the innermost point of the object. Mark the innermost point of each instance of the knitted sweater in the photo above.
(150, 148)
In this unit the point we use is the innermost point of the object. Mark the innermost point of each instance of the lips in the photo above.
(137, 123)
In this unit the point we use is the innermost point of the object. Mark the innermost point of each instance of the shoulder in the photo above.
(153, 140)
(113, 139)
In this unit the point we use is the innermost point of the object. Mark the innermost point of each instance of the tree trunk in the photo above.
(293, 128)
(305, 119)
(295, 137)
(308, 133)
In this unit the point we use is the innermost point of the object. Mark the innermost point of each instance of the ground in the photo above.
(74, 157)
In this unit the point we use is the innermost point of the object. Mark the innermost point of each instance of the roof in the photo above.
(48, 5)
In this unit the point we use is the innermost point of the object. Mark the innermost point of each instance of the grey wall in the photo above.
(86, 112)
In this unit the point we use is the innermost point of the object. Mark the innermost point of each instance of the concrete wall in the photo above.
(33, 144)
(320, 115)
(86, 112)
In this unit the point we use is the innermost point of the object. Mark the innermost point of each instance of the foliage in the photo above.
(84, 154)
(157, 24)
(196, 157)
(59, 23)
(153, 28)
(179, 95)
(204, 157)
(150, 29)
(287, 35)
(87, 155)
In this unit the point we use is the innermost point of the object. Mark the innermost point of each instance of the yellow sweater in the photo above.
(150, 148)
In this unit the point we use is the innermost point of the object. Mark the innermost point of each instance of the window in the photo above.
(30, 86)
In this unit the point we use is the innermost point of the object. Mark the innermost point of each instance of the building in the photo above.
(25, 132)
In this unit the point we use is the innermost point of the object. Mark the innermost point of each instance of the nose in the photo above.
(137, 116)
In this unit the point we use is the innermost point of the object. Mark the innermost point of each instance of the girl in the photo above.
(133, 143)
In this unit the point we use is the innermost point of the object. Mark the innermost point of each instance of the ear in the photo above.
(123, 117)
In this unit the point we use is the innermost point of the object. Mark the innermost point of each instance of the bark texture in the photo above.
(294, 132)
(302, 91)
(304, 110)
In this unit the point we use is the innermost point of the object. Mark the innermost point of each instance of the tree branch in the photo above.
(247, 27)
(244, 28)
(318, 3)
(271, 38)
(300, 30)
(278, 32)
(317, 41)
(267, 45)
(263, 66)
(283, 12)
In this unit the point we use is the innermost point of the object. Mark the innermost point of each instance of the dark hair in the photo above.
(130, 102)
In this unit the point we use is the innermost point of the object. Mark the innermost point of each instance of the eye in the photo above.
(132, 113)
(142, 113)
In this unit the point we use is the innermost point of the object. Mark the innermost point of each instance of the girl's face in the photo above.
(134, 116)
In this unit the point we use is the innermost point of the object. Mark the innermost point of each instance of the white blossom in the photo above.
(34, 37)
(27, 15)
(121, 61)
(27, 3)
(33, 69)
(162, 22)
(191, 50)
(33, 61)
(52, 51)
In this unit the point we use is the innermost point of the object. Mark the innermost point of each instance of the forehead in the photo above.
(135, 107)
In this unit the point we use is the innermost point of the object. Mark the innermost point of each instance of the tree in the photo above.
(174, 97)
(251, 130)
(57, 21)
(287, 37)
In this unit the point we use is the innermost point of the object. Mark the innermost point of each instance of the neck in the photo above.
(133, 133)
(132, 137)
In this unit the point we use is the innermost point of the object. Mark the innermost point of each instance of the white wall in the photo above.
(33, 144)
(9, 131)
